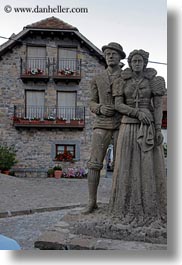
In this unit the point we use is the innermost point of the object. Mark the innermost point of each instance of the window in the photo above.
(36, 60)
(67, 62)
(63, 148)
(66, 103)
(34, 104)
(72, 146)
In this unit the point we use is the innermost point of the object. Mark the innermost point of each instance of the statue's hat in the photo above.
(115, 46)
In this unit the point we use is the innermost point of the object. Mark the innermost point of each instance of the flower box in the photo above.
(49, 121)
(58, 121)
(24, 121)
(74, 122)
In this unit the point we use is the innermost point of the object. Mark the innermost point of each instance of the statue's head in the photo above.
(116, 47)
(140, 57)
(113, 53)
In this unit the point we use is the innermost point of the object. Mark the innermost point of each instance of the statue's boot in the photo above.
(93, 182)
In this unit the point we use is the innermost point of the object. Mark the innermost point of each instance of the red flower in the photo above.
(66, 156)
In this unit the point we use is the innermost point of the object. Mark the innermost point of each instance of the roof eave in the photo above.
(11, 42)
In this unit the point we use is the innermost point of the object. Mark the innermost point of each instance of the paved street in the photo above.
(19, 195)
(27, 205)
(27, 228)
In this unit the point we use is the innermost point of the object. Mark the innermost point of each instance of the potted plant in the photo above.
(50, 173)
(7, 158)
(58, 172)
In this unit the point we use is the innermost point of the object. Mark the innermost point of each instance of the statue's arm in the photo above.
(157, 102)
(158, 90)
(131, 112)
(118, 94)
(123, 108)
(95, 106)
(94, 100)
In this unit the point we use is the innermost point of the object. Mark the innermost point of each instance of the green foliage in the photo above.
(57, 168)
(165, 149)
(50, 171)
(7, 157)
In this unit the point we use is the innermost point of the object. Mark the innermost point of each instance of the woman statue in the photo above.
(139, 180)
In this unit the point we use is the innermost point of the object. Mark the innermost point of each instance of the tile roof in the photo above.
(51, 23)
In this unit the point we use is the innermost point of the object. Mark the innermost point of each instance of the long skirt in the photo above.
(139, 189)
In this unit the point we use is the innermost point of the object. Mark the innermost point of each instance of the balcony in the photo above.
(49, 117)
(35, 69)
(67, 70)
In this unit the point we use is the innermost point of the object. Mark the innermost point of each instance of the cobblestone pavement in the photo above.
(27, 228)
(17, 195)
(20, 194)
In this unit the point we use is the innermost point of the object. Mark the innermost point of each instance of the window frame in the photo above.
(66, 142)
(65, 149)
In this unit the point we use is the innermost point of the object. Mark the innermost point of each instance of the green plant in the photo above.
(7, 157)
(50, 171)
(165, 149)
(57, 168)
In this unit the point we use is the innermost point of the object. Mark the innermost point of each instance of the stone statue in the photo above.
(139, 189)
(107, 119)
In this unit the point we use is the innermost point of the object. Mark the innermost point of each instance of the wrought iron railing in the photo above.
(40, 68)
(67, 68)
(35, 67)
(33, 112)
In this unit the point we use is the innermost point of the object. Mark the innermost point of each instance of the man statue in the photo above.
(107, 120)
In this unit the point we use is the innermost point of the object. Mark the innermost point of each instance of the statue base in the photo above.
(98, 231)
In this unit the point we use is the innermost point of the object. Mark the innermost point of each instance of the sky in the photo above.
(135, 24)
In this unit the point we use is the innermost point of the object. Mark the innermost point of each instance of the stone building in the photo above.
(45, 72)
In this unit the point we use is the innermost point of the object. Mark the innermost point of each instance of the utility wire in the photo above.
(52, 46)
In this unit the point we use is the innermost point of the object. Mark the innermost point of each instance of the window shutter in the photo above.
(36, 58)
(36, 52)
(34, 104)
(66, 105)
(67, 59)
(67, 53)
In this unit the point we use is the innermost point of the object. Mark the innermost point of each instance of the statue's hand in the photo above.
(107, 110)
(158, 137)
(143, 117)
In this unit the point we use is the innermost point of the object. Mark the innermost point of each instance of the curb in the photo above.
(38, 210)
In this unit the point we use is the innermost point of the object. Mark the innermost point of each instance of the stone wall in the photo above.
(34, 145)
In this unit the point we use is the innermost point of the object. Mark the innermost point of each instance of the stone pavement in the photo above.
(50, 200)
(27, 195)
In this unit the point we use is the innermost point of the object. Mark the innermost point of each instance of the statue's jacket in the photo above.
(101, 94)
(144, 94)
(149, 87)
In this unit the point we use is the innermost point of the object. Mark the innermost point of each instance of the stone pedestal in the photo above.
(98, 231)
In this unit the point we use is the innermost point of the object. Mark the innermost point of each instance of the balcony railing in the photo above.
(67, 69)
(49, 116)
(34, 69)
(39, 69)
